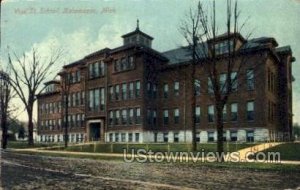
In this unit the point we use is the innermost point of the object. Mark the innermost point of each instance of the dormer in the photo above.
(52, 86)
(137, 37)
(220, 43)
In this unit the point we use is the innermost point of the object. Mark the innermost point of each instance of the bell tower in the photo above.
(137, 37)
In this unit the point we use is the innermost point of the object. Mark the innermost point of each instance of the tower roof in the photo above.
(137, 31)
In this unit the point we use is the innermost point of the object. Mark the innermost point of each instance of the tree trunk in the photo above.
(4, 132)
(220, 146)
(30, 128)
(66, 123)
(193, 105)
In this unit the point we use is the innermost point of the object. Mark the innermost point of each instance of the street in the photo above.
(20, 171)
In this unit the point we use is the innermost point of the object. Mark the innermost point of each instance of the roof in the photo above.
(73, 64)
(265, 40)
(231, 34)
(137, 31)
(284, 50)
(100, 52)
(52, 82)
(183, 54)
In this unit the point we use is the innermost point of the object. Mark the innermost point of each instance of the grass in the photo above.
(171, 147)
(24, 144)
(119, 147)
(288, 151)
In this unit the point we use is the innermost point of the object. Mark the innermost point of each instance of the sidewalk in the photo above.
(244, 153)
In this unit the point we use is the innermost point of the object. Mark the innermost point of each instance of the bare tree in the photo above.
(28, 74)
(65, 85)
(201, 33)
(5, 99)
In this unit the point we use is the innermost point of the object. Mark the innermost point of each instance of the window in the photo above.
(149, 117)
(155, 137)
(96, 69)
(223, 85)
(94, 98)
(224, 113)
(250, 136)
(74, 99)
(130, 137)
(149, 89)
(234, 110)
(222, 47)
(124, 91)
(250, 79)
(78, 122)
(210, 86)
(117, 92)
(77, 98)
(82, 120)
(176, 137)
(176, 88)
(137, 137)
(50, 107)
(211, 113)
(176, 116)
(111, 117)
(102, 68)
(117, 119)
(130, 95)
(123, 137)
(154, 90)
(250, 110)
(197, 114)
(233, 136)
(123, 64)
(234, 81)
(73, 121)
(82, 97)
(211, 136)
(110, 137)
(117, 65)
(102, 99)
(111, 93)
(116, 137)
(137, 89)
(138, 116)
(166, 90)
(166, 137)
(131, 62)
(197, 87)
(124, 116)
(166, 117)
(131, 116)
(78, 76)
(154, 115)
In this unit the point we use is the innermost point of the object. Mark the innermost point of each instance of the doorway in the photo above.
(95, 131)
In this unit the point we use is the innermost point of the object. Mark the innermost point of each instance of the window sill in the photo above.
(94, 78)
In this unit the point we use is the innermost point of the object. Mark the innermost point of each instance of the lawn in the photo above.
(154, 147)
(288, 151)
(24, 144)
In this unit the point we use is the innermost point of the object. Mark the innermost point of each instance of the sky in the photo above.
(82, 27)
